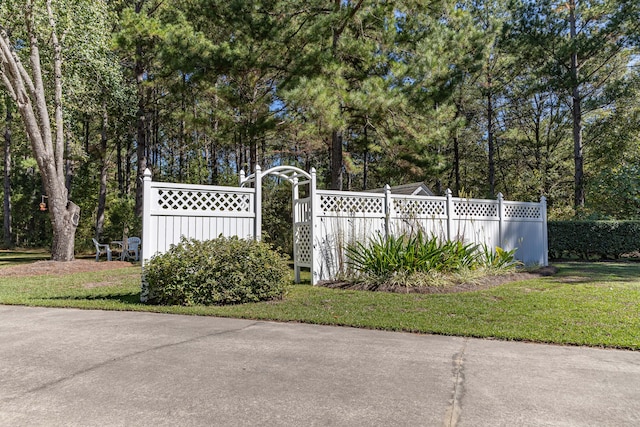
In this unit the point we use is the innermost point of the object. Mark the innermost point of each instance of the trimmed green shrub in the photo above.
(585, 239)
(216, 272)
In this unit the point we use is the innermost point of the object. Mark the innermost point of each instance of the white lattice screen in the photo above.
(419, 207)
(175, 199)
(475, 209)
(524, 211)
(339, 204)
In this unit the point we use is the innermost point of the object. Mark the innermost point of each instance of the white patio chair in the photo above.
(102, 249)
(133, 249)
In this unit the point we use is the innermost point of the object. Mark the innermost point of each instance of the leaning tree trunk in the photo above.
(8, 238)
(27, 89)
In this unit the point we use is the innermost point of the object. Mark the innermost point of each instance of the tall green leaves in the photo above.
(382, 258)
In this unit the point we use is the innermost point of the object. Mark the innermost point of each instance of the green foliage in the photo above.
(499, 259)
(386, 258)
(219, 271)
(121, 216)
(277, 217)
(585, 239)
(615, 192)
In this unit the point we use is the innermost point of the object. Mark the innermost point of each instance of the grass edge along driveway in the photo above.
(592, 304)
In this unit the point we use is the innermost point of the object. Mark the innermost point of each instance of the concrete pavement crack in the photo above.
(120, 358)
(455, 408)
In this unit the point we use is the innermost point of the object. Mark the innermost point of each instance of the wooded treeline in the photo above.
(527, 98)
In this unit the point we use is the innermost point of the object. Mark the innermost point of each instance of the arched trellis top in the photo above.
(303, 208)
(291, 174)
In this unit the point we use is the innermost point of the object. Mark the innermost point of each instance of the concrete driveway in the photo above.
(94, 368)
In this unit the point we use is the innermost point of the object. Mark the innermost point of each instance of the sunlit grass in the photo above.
(595, 304)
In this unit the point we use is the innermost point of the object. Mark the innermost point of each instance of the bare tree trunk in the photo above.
(8, 238)
(141, 137)
(102, 193)
(127, 169)
(141, 125)
(365, 166)
(456, 163)
(576, 113)
(336, 160)
(119, 166)
(490, 139)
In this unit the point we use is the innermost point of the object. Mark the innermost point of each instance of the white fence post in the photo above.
(147, 244)
(242, 177)
(500, 219)
(257, 234)
(449, 213)
(545, 237)
(296, 218)
(388, 210)
(314, 229)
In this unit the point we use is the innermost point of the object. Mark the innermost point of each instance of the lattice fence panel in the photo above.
(303, 244)
(522, 211)
(469, 208)
(351, 204)
(419, 208)
(171, 199)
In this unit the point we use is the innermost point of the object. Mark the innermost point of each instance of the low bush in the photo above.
(216, 272)
(585, 239)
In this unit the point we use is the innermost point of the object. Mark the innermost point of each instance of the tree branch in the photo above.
(57, 68)
(38, 91)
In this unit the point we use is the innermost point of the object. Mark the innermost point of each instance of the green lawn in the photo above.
(14, 257)
(595, 304)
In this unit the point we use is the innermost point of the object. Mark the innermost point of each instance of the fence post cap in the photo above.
(448, 192)
(147, 174)
(500, 196)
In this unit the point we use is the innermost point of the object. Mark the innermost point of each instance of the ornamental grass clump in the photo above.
(216, 272)
(413, 260)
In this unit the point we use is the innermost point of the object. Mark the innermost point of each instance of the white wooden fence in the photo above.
(326, 222)
(343, 218)
(201, 212)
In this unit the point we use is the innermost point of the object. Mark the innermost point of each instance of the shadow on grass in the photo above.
(22, 257)
(125, 298)
(590, 272)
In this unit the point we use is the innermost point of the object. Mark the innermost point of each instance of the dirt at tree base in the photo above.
(60, 268)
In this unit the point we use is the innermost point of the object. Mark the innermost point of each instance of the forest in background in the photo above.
(526, 98)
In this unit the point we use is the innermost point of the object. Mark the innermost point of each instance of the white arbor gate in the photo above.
(302, 209)
(326, 222)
